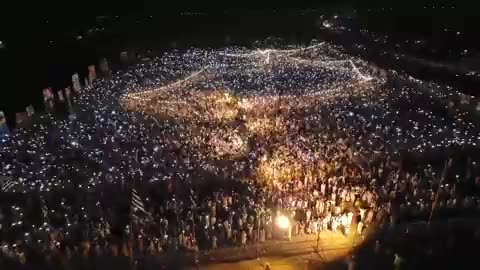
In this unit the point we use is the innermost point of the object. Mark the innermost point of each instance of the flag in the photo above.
(92, 74)
(47, 98)
(137, 203)
(76, 83)
(60, 95)
(8, 183)
(2, 117)
(4, 130)
(50, 93)
(44, 209)
(30, 110)
(448, 164)
(45, 94)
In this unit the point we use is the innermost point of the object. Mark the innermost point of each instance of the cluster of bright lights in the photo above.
(272, 115)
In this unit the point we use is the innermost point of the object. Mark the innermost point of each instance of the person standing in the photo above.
(351, 262)
(214, 242)
(244, 238)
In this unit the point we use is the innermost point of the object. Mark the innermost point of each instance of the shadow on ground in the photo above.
(441, 246)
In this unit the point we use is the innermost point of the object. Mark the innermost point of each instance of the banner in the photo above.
(92, 74)
(76, 83)
(4, 130)
(30, 110)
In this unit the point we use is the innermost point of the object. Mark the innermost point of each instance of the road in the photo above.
(294, 254)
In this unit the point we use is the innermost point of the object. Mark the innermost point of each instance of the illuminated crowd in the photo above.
(219, 143)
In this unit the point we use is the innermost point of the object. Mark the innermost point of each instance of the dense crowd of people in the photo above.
(216, 145)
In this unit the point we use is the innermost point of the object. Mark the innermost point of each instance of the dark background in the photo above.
(42, 48)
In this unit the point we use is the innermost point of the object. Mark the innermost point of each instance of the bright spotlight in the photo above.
(283, 222)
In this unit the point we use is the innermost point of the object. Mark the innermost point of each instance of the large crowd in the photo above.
(219, 143)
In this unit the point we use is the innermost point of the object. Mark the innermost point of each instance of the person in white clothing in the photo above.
(214, 242)
(360, 228)
(244, 239)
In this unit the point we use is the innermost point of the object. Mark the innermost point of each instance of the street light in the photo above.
(284, 227)
(283, 222)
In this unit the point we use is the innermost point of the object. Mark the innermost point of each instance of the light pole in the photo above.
(258, 234)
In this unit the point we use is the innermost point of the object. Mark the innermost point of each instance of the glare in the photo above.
(283, 222)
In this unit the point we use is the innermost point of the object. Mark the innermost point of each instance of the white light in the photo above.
(283, 222)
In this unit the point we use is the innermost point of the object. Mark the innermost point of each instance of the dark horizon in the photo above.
(44, 48)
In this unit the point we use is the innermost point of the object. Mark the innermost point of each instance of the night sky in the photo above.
(42, 48)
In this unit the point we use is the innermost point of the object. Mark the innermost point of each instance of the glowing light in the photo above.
(282, 222)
